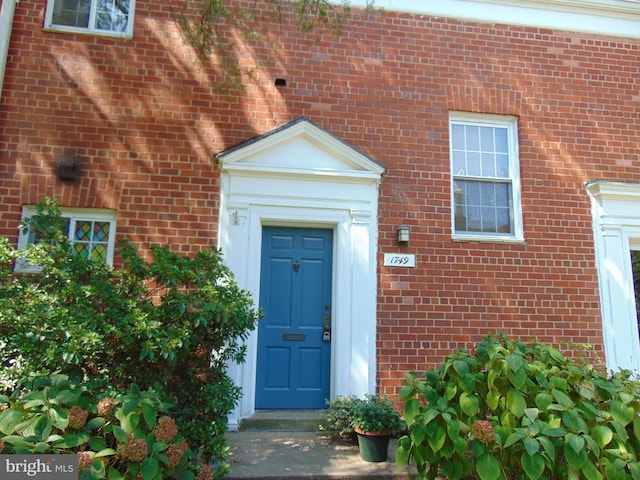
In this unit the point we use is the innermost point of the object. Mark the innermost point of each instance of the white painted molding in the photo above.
(7, 12)
(603, 17)
(615, 210)
(304, 149)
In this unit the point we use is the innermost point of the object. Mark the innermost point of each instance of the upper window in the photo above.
(91, 233)
(485, 178)
(101, 17)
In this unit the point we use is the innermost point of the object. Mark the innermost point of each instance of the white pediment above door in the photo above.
(299, 147)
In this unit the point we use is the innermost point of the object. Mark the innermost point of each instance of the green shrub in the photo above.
(517, 410)
(171, 325)
(117, 435)
(338, 416)
(376, 414)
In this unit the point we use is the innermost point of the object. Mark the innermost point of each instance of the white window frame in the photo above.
(492, 121)
(75, 215)
(91, 28)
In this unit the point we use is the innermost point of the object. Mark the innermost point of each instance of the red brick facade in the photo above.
(146, 118)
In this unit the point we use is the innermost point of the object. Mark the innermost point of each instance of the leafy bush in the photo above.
(171, 325)
(338, 416)
(118, 435)
(520, 411)
(376, 414)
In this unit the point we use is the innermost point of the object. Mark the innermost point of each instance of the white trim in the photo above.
(344, 158)
(308, 180)
(7, 12)
(604, 17)
(511, 124)
(91, 29)
(615, 208)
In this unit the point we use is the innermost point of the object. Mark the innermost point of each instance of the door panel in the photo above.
(295, 295)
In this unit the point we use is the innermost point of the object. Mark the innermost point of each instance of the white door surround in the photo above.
(616, 223)
(301, 175)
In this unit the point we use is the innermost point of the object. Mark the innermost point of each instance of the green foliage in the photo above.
(171, 325)
(374, 413)
(117, 434)
(338, 416)
(516, 410)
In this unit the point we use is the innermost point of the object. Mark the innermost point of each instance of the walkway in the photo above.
(290, 446)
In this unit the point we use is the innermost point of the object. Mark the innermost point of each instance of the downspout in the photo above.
(6, 22)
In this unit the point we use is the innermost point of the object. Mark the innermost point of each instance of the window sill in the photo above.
(87, 32)
(488, 239)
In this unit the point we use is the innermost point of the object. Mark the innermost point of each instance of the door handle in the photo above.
(326, 330)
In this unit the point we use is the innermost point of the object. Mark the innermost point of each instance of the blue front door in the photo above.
(294, 336)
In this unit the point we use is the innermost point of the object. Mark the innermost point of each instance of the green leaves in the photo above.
(533, 465)
(488, 467)
(602, 435)
(573, 421)
(469, 404)
(165, 321)
(516, 403)
(40, 420)
(551, 418)
(411, 410)
(574, 452)
(437, 438)
(9, 420)
(621, 412)
(150, 468)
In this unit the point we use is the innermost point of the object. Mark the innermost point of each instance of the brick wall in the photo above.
(146, 118)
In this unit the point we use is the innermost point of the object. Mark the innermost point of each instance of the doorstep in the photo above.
(282, 421)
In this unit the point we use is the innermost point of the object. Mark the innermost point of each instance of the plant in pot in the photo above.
(338, 417)
(375, 420)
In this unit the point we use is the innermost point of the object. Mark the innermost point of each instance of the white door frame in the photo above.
(301, 176)
(615, 209)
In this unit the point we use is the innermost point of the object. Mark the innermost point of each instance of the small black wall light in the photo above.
(403, 234)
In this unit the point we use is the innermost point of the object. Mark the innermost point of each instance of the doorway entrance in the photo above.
(294, 336)
(301, 176)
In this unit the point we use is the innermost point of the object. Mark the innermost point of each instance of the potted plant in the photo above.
(375, 420)
(338, 417)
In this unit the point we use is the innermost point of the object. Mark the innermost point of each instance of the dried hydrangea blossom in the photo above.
(165, 430)
(77, 417)
(84, 461)
(482, 430)
(106, 407)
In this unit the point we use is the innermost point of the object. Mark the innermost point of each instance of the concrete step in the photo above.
(282, 421)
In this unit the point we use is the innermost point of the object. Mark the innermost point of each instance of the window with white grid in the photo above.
(99, 17)
(485, 179)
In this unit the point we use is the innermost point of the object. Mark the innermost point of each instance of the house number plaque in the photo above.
(399, 260)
